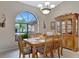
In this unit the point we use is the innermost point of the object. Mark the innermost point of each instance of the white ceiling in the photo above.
(35, 3)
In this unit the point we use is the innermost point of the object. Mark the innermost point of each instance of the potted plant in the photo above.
(25, 35)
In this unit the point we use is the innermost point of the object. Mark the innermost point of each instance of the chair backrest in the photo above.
(34, 35)
(56, 42)
(48, 44)
(31, 35)
(21, 45)
(52, 43)
(37, 34)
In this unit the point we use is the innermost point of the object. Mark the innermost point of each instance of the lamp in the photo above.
(46, 8)
(46, 11)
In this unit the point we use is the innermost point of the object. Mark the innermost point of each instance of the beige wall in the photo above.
(66, 7)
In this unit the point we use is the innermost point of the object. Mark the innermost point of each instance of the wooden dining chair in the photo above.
(23, 49)
(46, 48)
(51, 45)
(56, 46)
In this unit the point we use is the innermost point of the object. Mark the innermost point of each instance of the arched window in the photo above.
(25, 22)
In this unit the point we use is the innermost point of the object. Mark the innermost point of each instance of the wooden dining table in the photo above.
(35, 42)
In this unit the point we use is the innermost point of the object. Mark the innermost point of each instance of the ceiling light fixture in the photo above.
(46, 8)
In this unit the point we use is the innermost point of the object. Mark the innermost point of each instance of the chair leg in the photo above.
(59, 52)
(23, 55)
(37, 54)
(29, 55)
(52, 54)
(19, 55)
(45, 54)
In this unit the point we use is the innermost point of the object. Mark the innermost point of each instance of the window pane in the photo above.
(22, 19)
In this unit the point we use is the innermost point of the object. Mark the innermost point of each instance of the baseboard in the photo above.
(6, 50)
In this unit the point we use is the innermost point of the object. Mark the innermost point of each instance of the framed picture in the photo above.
(44, 24)
(52, 24)
(2, 21)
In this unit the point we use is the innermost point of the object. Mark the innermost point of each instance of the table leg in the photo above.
(33, 52)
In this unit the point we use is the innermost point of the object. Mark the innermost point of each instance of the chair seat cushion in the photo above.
(40, 49)
(27, 50)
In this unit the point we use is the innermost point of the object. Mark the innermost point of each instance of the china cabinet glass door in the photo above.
(63, 27)
(69, 27)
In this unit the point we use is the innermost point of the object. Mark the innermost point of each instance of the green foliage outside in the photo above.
(25, 35)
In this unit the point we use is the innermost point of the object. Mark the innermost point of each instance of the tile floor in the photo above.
(14, 54)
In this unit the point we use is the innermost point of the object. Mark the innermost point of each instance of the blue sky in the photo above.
(27, 16)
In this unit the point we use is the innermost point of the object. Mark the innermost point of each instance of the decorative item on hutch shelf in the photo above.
(2, 20)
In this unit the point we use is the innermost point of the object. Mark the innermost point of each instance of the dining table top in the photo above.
(35, 40)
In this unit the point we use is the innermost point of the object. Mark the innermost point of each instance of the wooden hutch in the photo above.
(68, 25)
